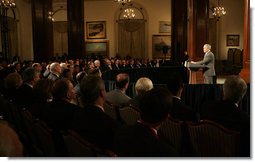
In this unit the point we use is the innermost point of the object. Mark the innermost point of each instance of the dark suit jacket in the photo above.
(227, 114)
(25, 96)
(95, 126)
(139, 140)
(59, 114)
(182, 112)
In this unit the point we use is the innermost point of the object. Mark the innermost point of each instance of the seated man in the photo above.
(118, 96)
(227, 112)
(180, 110)
(55, 71)
(59, 113)
(142, 85)
(141, 139)
(91, 122)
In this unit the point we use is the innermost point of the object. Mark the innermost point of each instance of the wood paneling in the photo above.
(179, 29)
(75, 14)
(42, 30)
(200, 26)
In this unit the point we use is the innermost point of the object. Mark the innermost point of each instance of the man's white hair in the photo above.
(208, 46)
(143, 84)
(53, 66)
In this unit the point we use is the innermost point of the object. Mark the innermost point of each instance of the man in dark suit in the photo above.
(91, 122)
(208, 60)
(227, 112)
(180, 110)
(141, 139)
(25, 92)
(59, 113)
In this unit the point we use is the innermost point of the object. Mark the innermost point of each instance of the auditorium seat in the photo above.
(211, 139)
(129, 114)
(112, 110)
(174, 132)
(78, 147)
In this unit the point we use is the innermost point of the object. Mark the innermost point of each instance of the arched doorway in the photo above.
(60, 32)
(8, 34)
(131, 31)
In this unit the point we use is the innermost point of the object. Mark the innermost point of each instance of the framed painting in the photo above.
(233, 39)
(161, 46)
(164, 27)
(97, 48)
(96, 29)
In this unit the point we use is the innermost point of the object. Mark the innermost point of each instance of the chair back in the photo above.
(78, 147)
(45, 138)
(29, 121)
(112, 110)
(209, 138)
(172, 131)
(129, 114)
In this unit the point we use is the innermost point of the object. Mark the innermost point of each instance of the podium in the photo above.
(193, 69)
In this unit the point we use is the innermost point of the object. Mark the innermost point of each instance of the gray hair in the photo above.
(234, 88)
(143, 84)
(208, 46)
(53, 66)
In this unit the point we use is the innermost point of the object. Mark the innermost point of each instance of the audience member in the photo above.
(180, 110)
(25, 92)
(91, 122)
(55, 71)
(10, 144)
(96, 72)
(11, 85)
(118, 96)
(59, 114)
(42, 92)
(141, 139)
(142, 85)
(227, 112)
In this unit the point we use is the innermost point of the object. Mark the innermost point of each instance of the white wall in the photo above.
(105, 11)
(25, 37)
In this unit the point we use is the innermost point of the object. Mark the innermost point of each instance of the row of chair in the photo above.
(40, 140)
(205, 138)
(125, 114)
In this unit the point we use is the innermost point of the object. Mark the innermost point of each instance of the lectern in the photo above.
(193, 69)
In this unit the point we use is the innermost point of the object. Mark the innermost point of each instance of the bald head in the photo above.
(234, 88)
(122, 81)
(10, 145)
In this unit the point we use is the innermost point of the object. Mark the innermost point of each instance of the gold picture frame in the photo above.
(97, 47)
(161, 46)
(164, 27)
(233, 39)
(96, 29)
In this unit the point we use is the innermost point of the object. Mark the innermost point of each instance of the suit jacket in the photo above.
(53, 76)
(95, 126)
(139, 140)
(182, 112)
(209, 62)
(59, 114)
(135, 101)
(117, 97)
(230, 116)
(25, 96)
